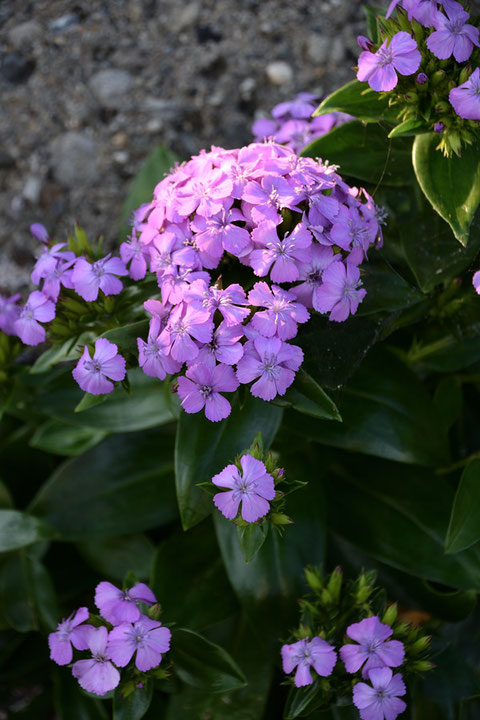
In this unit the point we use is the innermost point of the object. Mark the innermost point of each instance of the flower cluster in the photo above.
(368, 649)
(113, 639)
(434, 41)
(292, 124)
(292, 221)
(226, 214)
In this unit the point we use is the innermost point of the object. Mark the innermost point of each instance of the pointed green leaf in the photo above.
(306, 396)
(203, 664)
(17, 530)
(251, 539)
(364, 152)
(464, 528)
(125, 337)
(412, 126)
(124, 485)
(452, 185)
(357, 99)
(60, 438)
(134, 706)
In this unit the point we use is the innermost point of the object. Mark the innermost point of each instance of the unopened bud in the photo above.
(314, 579)
(420, 645)
(155, 611)
(411, 98)
(335, 584)
(439, 127)
(465, 73)
(442, 107)
(437, 77)
(421, 78)
(390, 614)
(421, 666)
(364, 42)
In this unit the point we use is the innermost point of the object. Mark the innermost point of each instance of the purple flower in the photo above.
(69, 632)
(120, 606)
(311, 274)
(202, 386)
(401, 55)
(452, 35)
(302, 106)
(269, 197)
(304, 654)
(424, 11)
(253, 488)
(373, 648)
(219, 232)
(40, 232)
(282, 255)
(204, 194)
(228, 302)
(92, 375)
(465, 98)
(48, 260)
(340, 293)
(224, 345)
(273, 362)
(38, 309)
(380, 702)
(89, 278)
(364, 42)
(148, 638)
(476, 281)
(282, 312)
(135, 253)
(153, 356)
(9, 312)
(185, 323)
(97, 674)
(60, 274)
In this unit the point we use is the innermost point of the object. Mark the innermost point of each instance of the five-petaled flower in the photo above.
(252, 488)
(305, 654)
(92, 374)
(382, 701)
(380, 69)
(373, 648)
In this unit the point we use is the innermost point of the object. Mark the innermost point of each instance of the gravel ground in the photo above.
(89, 88)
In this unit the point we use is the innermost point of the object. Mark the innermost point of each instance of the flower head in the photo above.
(89, 278)
(273, 362)
(9, 312)
(373, 648)
(380, 69)
(304, 655)
(97, 674)
(92, 374)
(465, 98)
(69, 632)
(252, 488)
(380, 701)
(202, 386)
(38, 309)
(145, 637)
(341, 291)
(453, 36)
(120, 606)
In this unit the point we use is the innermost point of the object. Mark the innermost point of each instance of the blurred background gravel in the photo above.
(88, 88)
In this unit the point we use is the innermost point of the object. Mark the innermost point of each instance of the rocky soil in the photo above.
(88, 89)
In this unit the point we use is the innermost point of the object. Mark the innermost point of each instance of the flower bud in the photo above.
(439, 127)
(420, 645)
(390, 614)
(411, 97)
(442, 107)
(314, 579)
(437, 77)
(465, 73)
(421, 78)
(334, 585)
(364, 42)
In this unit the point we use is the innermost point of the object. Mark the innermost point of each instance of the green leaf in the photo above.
(268, 585)
(89, 401)
(124, 485)
(17, 530)
(114, 557)
(372, 23)
(412, 126)
(386, 412)
(399, 518)
(71, 703)
(452, 185)
(386, 290)
(202, 664)
(125, 337)
(60, 353)
(60, 438)
(301, 699)
(365, 152)
(357, 99)
(189, 580)
(448, 399)
(27, 597)
(150, 403)
(306, 396)
(440, 259)
(251, 539)
(156, 165)
(464, 528)
(203, 448)
(134, 706)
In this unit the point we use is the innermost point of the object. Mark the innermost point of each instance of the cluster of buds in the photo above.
(359, 648)
(426, 58)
